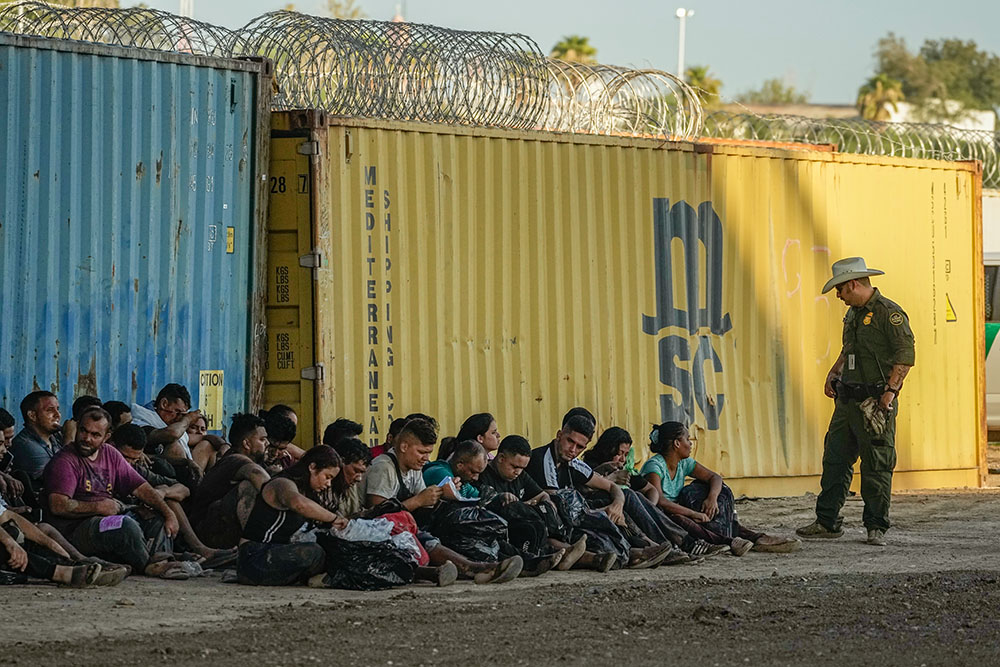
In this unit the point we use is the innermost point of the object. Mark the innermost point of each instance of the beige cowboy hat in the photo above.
(849, 268)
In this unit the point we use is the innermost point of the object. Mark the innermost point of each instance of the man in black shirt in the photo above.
(556, 466)
(505, 476)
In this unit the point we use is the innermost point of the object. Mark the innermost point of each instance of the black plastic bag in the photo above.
(471, 530)
(365, 566)
(526, 528)
(602, 533)
(571, 505)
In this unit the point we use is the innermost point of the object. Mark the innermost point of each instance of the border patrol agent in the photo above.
(876, 356)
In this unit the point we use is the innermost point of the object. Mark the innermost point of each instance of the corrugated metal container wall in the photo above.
(523, 274)
(128, 209)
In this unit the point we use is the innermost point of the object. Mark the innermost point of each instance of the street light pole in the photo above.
(682, 15)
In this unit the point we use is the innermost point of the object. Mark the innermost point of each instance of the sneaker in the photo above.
(703, 549)
(676, 557)
(876, 537)
(740, 546)
(651, 556)
(818, 530)
(777, 545)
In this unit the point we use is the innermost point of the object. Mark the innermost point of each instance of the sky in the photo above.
(824, 47)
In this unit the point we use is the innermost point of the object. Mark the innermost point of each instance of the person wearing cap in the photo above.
(865, 383)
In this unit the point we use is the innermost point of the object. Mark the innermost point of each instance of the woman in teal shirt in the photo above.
(705, 508)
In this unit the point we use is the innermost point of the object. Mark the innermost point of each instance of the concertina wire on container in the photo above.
(408, 71)
(929, 141)
(399, 71)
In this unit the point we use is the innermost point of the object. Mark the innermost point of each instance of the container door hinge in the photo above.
(313, 260)
(313, 373)
(309, 148)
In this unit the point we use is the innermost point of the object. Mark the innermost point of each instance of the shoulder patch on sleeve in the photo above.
(896, 319)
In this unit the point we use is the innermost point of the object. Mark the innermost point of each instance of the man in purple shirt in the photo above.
(85, 483)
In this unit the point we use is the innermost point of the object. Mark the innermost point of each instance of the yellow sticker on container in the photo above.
(230, 240)
(210, 389)
(949, 312)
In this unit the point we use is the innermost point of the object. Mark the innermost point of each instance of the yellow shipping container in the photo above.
(453, 271)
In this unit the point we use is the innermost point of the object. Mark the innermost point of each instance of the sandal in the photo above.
(170, 570)
(111, 577)
(507, 570)
(84, 575)
(576, 550)
(447, 574)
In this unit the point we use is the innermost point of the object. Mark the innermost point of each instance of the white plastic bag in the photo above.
(366, 530)
(406, 541)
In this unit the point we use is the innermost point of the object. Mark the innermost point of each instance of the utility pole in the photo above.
(682, 15)
(187, 8)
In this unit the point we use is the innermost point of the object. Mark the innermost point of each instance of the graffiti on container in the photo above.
(378, 306)
(686, 359)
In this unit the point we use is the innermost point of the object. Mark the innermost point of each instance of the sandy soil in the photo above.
(930, 597)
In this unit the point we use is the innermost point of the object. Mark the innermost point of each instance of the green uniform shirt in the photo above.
(877, 336)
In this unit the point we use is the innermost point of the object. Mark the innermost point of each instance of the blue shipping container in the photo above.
(129, 209)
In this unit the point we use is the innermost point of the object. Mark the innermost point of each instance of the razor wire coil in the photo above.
(856, 135)
(399, 71)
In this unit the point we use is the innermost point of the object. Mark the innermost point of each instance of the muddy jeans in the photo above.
(263, 564)
(129, 541)
(720, 530)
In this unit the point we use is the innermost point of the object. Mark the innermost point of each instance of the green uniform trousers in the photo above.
(846, 439)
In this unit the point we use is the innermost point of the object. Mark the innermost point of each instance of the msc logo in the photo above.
(695, 230)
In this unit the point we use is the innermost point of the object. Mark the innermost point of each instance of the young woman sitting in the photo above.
(705, 508)
(267, 556)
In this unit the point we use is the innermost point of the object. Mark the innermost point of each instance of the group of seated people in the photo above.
(123, 489)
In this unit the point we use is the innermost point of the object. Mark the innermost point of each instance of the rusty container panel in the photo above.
(525, 273)
(127, 214)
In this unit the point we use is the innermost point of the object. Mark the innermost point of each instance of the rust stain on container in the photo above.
(140, 170)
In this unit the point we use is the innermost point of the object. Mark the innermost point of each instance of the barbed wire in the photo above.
(138, 27)
(603, 99)
(857, 135)
(399, 71)
(418, 72)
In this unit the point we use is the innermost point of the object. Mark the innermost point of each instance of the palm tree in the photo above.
(575, 48)
(705, 85)
(878, 94)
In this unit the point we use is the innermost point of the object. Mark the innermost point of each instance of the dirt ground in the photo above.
(931, 597)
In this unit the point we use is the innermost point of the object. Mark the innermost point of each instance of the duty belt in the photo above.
(856, 391)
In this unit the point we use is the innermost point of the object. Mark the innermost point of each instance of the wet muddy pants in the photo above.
(846, 440)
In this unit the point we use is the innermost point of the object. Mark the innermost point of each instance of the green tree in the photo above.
(774, 91)
(705, 85)
(575, 48)
(948, 69)
(344, 9)
(877, 95)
